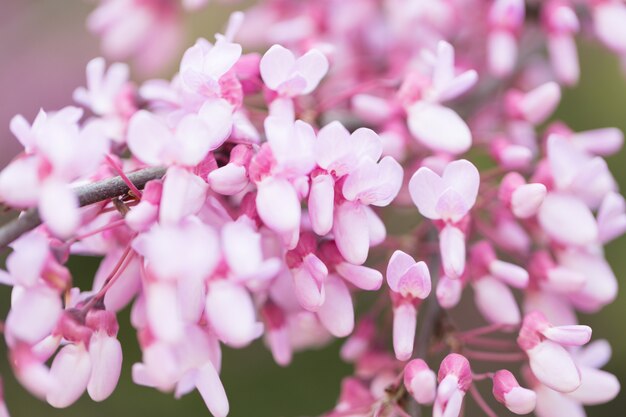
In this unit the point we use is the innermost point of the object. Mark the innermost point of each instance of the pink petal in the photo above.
(106, 365)
(404, 324)
(520, 400)
(439, 128)
(597, 387)
(496, 302)
(452, 249)
(554, 367)
(337, 313)
(512, 274)
(451, 206)
(221, 57)
(20, 183)
(309, 283)
(601, 142)
(148, 137)
(501, 52)
(568, 220)
(351, 232)
(276, 66)
(229, 179)
(363, 277)
(537, 105)
(527, 199)
(449, 292)
(415, 281)
(230, 311)
(576, 335)
(58, 208)
(321, 204)
(463, 177)
(426, 187)
(399, 264)
(595, 355)
(609, 23)
(218, 117)
(71, 369)
(212, 391)
(552, 403)
(420, 381)
(312, 66)
(164, 313)
(33, 314)
(184, 193)
(564, 58)
(278, 205)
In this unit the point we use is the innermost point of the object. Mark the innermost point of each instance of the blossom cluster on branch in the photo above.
(268, 180)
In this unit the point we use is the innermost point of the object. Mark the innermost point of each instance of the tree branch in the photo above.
(87, 194)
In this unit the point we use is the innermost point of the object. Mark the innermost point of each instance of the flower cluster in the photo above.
(267, 179)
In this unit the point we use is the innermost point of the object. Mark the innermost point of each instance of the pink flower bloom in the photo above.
(550, 362)
(188, 143)
(448, 197)
(455, 378)
(290, 77)
(203, 65)
(435, 126)
(410, 283)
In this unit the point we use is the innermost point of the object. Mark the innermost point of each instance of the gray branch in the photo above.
(87, 194)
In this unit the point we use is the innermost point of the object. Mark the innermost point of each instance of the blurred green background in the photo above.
(43, 50)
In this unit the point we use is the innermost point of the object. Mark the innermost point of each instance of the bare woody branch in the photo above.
(87, 194)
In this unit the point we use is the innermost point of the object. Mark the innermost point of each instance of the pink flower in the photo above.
(410, 283)
(448, 197)
(455, 378)
(550, 362)
(433, 125)
(187, 143)
(290, 77)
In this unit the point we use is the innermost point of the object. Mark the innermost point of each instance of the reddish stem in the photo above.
(494, 356)
(123, 176)
(480, 401)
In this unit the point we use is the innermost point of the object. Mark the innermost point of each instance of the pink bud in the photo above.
(507, 391)
(420, 381)
(526, 200)
(449, 291)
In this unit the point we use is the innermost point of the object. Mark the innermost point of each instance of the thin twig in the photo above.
(87, 194)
